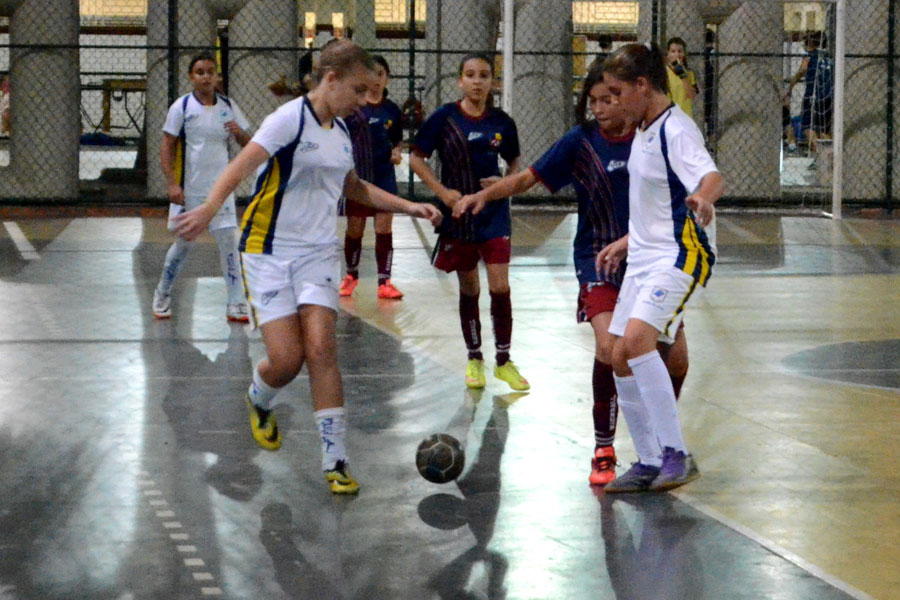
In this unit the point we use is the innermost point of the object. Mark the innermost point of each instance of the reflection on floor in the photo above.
(128, 470)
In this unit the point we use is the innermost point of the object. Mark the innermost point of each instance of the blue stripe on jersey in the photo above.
(695, 255)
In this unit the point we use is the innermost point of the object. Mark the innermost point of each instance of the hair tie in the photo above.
(648, 46)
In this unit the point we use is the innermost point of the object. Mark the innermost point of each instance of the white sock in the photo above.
(260, 392)
(229, 261)
(645, 442)
(332, 424)
(173, 265)
(659, 398)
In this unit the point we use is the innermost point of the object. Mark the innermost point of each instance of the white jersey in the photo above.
(294, 206)
(668, 160)
(202, 150)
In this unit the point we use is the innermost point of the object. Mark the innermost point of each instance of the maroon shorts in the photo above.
(454, 255)
(595, 298)
(355, 209)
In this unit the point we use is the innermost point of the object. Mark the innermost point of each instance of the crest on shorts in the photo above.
(658, 294)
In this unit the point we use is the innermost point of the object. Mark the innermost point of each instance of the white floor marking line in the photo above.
(774, 548)
(22, 244)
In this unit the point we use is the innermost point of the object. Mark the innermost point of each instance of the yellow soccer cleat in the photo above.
(510, 374)
(340, 480)
(475, 374)
(264, 427)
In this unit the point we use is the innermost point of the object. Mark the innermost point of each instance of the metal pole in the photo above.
(838, 147)
(412, 80)
(508, 72)
(889, 167)
(439, 46)
(173, 53)
(654, 20)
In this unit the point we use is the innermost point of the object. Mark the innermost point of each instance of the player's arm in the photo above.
(167, 162)
(712, 186)
(502, 188)
(365, 193)
(429, 177)
(189, 225)
(240, 135)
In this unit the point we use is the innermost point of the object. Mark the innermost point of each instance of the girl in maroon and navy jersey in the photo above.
(468, 136)
(377, 133)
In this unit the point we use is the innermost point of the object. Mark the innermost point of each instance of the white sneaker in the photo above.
(162, 305)
(238, 313)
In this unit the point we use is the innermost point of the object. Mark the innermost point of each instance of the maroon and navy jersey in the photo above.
(375, 129)
(468, 148)
(597, 167)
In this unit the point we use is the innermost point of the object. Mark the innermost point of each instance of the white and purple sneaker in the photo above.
(636, 479)
(678, 468)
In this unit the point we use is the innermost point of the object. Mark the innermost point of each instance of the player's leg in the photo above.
(229, 261)
(356, 226)
(319, 331)
(283, 361)
(675, 356)
(605, 409)
(470, 322)
(661, 299)
(174, 263)
(384, 255)
(496, 256)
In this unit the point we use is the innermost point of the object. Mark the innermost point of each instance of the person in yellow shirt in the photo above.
(682, 82)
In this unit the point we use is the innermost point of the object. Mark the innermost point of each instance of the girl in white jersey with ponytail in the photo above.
(193, 152)
(671, 250)
(290, 249)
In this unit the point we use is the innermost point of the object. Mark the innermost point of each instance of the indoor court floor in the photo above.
(127, 470)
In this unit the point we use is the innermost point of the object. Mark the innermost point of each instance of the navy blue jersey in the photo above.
(375, 129)
(597, 167)
(468, 148)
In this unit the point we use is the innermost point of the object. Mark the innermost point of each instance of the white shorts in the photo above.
(658, 298)
(277, 287)
(226, 217)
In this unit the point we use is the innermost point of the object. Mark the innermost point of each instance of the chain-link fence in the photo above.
(86, 86)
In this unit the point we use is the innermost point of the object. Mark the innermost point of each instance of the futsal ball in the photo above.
(440, 458)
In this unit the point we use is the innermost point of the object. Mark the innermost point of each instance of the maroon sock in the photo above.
(606, 405)
(384, 255)
(470, 320)
(677, 382)
(352, 250)
(501, 316)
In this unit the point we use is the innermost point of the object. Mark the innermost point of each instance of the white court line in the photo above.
(774, 548)
(22, 244)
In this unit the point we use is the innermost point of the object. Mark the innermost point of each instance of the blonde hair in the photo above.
(340, 56)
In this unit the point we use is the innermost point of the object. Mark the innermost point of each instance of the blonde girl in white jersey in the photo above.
(290, 249)
(673, 184)
(193, 152)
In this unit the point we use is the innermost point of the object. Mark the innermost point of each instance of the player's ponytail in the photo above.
(594, 76)
(638, 60)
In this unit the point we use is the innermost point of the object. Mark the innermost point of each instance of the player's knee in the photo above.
(321, 353)
(604, 350)
(284, 367)
(619, 360)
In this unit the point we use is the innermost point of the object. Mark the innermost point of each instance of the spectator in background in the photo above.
(4, 105)
(605, 43)
(682, 81)
(816, 70)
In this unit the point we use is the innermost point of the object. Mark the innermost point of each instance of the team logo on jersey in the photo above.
(658, 294)
(373, 120)
(189, 118)
(495, 143)
(615, 165)
(388, 123)
(474, 135)
(224, 114)
(346, 149)
(308, 146)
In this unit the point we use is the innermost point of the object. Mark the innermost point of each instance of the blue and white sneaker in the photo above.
(636, 479)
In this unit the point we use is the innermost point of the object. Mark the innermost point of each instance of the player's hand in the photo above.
(176, 194)
(610, 258)
(233, 128)
(396, 156)
(472, 203)
(488, 181)
(190, 224)
(427, 211)
(449, 197)
(702, 208)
